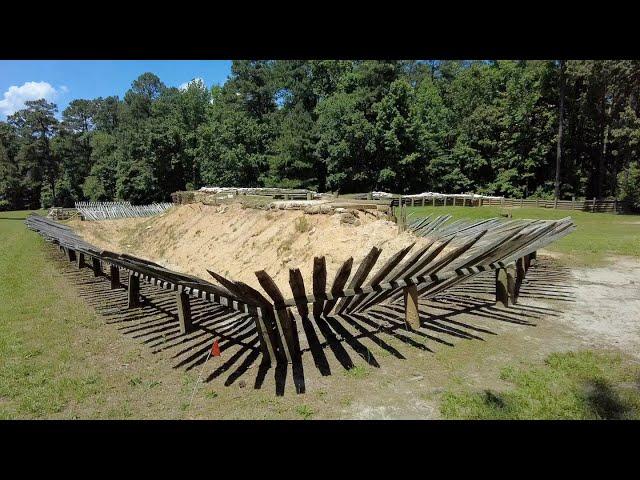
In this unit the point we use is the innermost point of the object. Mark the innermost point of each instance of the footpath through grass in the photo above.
(597, 235)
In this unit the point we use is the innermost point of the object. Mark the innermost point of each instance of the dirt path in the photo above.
(607, 305)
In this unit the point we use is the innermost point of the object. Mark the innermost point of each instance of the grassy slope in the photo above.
(597, 235)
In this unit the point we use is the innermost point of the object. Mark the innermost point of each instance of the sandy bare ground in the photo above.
(236, 241)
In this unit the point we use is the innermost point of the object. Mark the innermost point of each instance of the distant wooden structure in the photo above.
(114, 210)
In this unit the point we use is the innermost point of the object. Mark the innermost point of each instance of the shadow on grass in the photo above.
(326, 342)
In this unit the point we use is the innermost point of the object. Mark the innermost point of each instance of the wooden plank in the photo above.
(296, 283)
(133, 292)
(97, 267)
(319, 283)
(360, 276)
(411, 312)
(284, 323)
(114, 273)
(502, 290)
(382, 273)
(342, 275)
(184, 312)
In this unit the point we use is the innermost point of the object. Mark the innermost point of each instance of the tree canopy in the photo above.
(402, 126)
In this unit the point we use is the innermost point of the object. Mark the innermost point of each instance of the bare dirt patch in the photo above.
(236, 241)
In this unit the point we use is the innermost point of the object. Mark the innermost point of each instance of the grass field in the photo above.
(597, 235)
(58, 359)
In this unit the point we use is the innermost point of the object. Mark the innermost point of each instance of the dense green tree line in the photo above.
(401, 126)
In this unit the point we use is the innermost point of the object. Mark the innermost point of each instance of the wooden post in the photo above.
(521, 270)
(445, 200)
(80, 258)
(593, 206)
(133, 291)
(411, 312)
(369, 196)
(502, 202)
(433, 201)
(521, 202)
(555, 202)
(573, 203)
(184, 312)
(423, 201)
(511, 282)
(71, 255)
(413, 201)
(537, 200)
(502, 288)
(97, 268)
(309, 196)
(114, 273)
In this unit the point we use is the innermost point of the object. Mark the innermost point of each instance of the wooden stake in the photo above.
(97, 268)
(502, 289)
(411, 313)
(184, 312)
(114, 273)
(133, 291)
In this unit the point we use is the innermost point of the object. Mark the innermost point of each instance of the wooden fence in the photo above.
(593, 205)
(454, 252)
(112, 210)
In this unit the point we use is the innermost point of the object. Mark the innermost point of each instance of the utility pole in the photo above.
(560, 122)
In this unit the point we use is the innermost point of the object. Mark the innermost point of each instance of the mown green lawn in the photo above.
(582, 385)
(597, 235)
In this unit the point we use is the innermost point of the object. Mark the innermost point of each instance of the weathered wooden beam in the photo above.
(296, 283)
(342, 275)
(97, 267)
(521, 271)
(80, 258)
(184, 312)
(319, 283)
(285, 324)
(71, 255)
(511, 282)
(114, 273)
(133, 296)
(360, 276)
(411, 312)
(502, 289)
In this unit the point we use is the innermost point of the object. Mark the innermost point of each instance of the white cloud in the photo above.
(15, 97)
(183, 86)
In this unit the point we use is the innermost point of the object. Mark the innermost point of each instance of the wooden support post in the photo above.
(133, 291)
(80, 257)
(433, 201)
(114, 273)
(533, 255)
(97, 267)
(309, 196)
(573, 203)
(502, 289)
(71, 255)
(445, 200)
(511, 282)
(411, 312)
(537, 202)
(593, 206)
(369, 196)
(184, 312)
(527, 262)
(555, 202)
(521, 270)
(521, 202)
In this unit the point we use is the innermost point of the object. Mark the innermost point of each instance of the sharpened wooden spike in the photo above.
(297, 288)
(360, 276)
(342, 275)
(319, 283)
(285, 324)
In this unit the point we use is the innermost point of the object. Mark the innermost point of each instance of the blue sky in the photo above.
(65, 80)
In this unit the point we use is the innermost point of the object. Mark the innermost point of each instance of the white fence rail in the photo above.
(112, 210)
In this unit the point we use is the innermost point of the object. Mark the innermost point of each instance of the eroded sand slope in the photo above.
(236, 242)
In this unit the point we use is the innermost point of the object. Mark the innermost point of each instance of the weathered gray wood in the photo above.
(342, 275)
(297, 288)
(411, 312)
(80, 258)
(502, 290)
(133, 292)
(511, 282)
(520, 273)
(382, 273)
(360, 276)
(319, 283)
(97, 267)
(114, 273)
(184, 312)
(284, 323)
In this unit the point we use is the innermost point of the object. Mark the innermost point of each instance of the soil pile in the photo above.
(236, 241)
